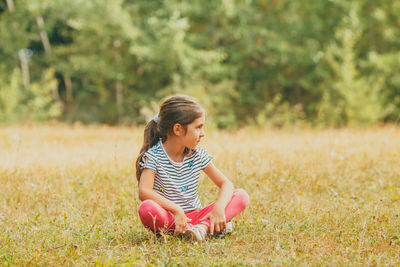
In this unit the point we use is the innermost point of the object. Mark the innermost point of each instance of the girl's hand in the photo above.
(180, 222)
(217, 219)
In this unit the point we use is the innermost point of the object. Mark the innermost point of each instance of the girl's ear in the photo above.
(177, 129)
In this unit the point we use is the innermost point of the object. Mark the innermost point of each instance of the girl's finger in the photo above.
(217, 228)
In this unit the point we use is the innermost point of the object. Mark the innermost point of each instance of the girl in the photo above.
(168, 169)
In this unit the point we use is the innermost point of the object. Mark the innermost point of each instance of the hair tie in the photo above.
(156, 118)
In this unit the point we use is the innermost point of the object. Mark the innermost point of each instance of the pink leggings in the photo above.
(156, 218)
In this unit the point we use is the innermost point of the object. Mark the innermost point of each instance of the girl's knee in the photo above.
(242, 197)
(147, 207)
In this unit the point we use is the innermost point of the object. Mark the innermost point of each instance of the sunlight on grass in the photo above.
(68, 196)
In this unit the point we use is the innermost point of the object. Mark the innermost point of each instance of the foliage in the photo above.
(12, 98)
(338, 60)
(350, 98)
(29, 104)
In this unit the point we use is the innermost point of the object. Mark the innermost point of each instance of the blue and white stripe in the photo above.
(176, 181)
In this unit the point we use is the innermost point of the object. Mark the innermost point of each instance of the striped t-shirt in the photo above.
(176, 181)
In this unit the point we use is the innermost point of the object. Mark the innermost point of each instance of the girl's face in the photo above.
(194, 133)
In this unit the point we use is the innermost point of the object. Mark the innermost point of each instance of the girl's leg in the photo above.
(239, 201)
(155, 217)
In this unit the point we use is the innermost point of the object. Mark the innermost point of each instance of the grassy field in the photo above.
(318, 197)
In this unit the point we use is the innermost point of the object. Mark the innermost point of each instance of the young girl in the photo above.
(168, 169)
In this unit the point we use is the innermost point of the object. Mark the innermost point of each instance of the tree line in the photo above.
(276, 62)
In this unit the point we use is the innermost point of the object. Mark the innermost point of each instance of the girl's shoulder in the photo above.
(151, 158)
(154, 150)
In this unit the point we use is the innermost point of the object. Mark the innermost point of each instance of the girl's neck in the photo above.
(174, 149)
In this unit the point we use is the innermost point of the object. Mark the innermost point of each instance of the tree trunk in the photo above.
(68, 89)
(47, 48)
(120, 100)
(10, 4)
(43, 35)
(24, 68)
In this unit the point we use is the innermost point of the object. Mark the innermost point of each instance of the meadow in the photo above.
(68, 196)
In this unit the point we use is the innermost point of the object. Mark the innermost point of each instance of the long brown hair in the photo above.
(180, 109)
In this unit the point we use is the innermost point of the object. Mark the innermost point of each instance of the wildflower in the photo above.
(394, 154)
(238, 163)
(68, 192)
(32, 184)
(316, 186)
(79, 226)
(251, 158)
(343, 193)
(300, 192)
(265, 180)
(167, 236)
(395, 197)
(15, 137)
(72, 185)
(333, 154)
(386, 141)
(279, 247)
(341, 157)
(282, 180)
(372, 187)
(264, 221)
(197, 211)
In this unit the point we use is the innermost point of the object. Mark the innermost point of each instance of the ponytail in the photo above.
(151, 136)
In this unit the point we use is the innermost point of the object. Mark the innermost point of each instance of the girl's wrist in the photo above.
(219, 205)
(178, 210)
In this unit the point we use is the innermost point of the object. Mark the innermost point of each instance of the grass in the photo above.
(318, 197)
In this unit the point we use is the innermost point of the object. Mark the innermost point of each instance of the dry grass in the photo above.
(318, 197)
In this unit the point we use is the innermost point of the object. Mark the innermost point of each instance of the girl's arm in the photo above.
(217, 215)
(146, 191)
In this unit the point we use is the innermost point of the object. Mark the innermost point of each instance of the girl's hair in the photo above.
(180, 109)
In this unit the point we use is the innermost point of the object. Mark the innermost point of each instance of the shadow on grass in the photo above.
(137, 238)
